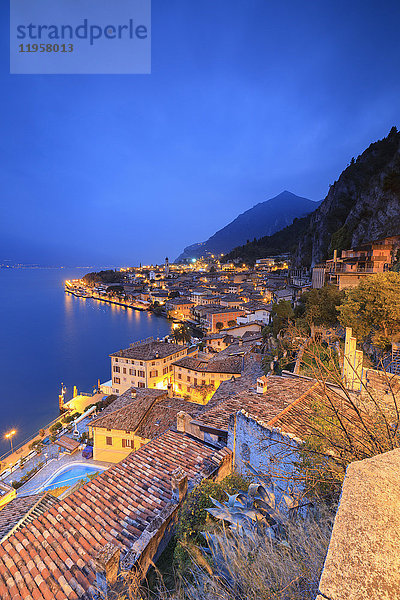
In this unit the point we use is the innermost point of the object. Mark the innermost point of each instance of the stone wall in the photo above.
(363, 560)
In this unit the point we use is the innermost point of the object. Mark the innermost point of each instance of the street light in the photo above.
(9, 436)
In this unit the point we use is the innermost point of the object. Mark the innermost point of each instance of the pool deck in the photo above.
(33, 485)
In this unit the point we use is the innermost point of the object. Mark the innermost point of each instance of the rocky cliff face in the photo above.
(363, 205)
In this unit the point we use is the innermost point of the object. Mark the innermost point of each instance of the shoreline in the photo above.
(140, 308)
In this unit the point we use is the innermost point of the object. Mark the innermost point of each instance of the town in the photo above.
(270, 381)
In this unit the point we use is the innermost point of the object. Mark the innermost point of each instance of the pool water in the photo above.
(71, 475)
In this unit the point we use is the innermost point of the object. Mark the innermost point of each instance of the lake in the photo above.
(48, 337)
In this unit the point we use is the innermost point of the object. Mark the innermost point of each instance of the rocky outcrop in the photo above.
(362, 206)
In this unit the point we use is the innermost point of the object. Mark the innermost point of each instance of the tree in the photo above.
(372, 309)
(319, 306)
(219, 325)
(282, 315)
(182, 334)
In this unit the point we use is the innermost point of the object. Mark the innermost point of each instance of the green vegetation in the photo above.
(56, 427)
(193, 517)
(103, 403)
(108, 276)
(319, 306)
(282, 242)
(27, 476)
(334, 227)
(182, 334)
(372, 309)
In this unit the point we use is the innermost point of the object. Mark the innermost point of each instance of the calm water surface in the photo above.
(48, 337)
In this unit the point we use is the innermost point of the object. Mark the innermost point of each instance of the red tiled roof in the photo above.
(149, 350)
(21, 508)
(52, 557)
(213, 365)
(280, 394)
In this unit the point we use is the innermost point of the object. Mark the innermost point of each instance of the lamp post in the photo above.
(9, 436)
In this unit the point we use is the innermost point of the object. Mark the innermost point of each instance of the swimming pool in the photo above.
(69, 475)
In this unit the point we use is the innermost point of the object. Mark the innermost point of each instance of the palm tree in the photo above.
(182, 334)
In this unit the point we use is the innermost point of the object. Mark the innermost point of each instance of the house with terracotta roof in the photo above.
(119, 522)
(266, 404)
(135, 418)
(146, 364)
(22, 510)
(179, 308)
(198, 378)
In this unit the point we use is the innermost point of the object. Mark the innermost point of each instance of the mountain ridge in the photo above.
(264, 218)
(361, 206)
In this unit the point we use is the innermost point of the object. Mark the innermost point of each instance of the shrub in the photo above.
(193, 515)
(55, 427)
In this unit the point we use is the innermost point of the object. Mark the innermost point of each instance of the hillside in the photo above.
(262, 219)
(362, 205)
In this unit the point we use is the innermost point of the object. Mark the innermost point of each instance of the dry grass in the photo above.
(254, 567)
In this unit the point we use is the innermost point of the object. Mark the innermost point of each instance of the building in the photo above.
(256, 311)
(135, 418)
(179, 308)
(223, 317)
(354, 265)
(215, 342)
(198, 378)
(22, 510)
(146, 364)
(120, 521)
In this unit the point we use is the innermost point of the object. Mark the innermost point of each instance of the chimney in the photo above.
(240, 342)
(133, 394)
(170, 390)
(157, 354)
(106, 565)
(179, 481)
(183, 421)
(262, 385)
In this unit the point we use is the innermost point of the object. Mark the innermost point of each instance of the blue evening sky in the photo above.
(246, 98)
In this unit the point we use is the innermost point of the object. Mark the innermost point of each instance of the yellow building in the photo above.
(199, 378)
(7, 493)
(135, 418)
(146, 364)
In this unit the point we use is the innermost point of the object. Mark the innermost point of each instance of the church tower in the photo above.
(166, 267)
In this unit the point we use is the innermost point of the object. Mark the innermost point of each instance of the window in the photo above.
(141, 384)
(203, 382)
(141, 374)
(117, 380)
(188, 378)
(165, 370)
(154, 373)
(109, 441)
(117, 369)
(132, 371)
(179, 376)
(127, 443)
(124, 371)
